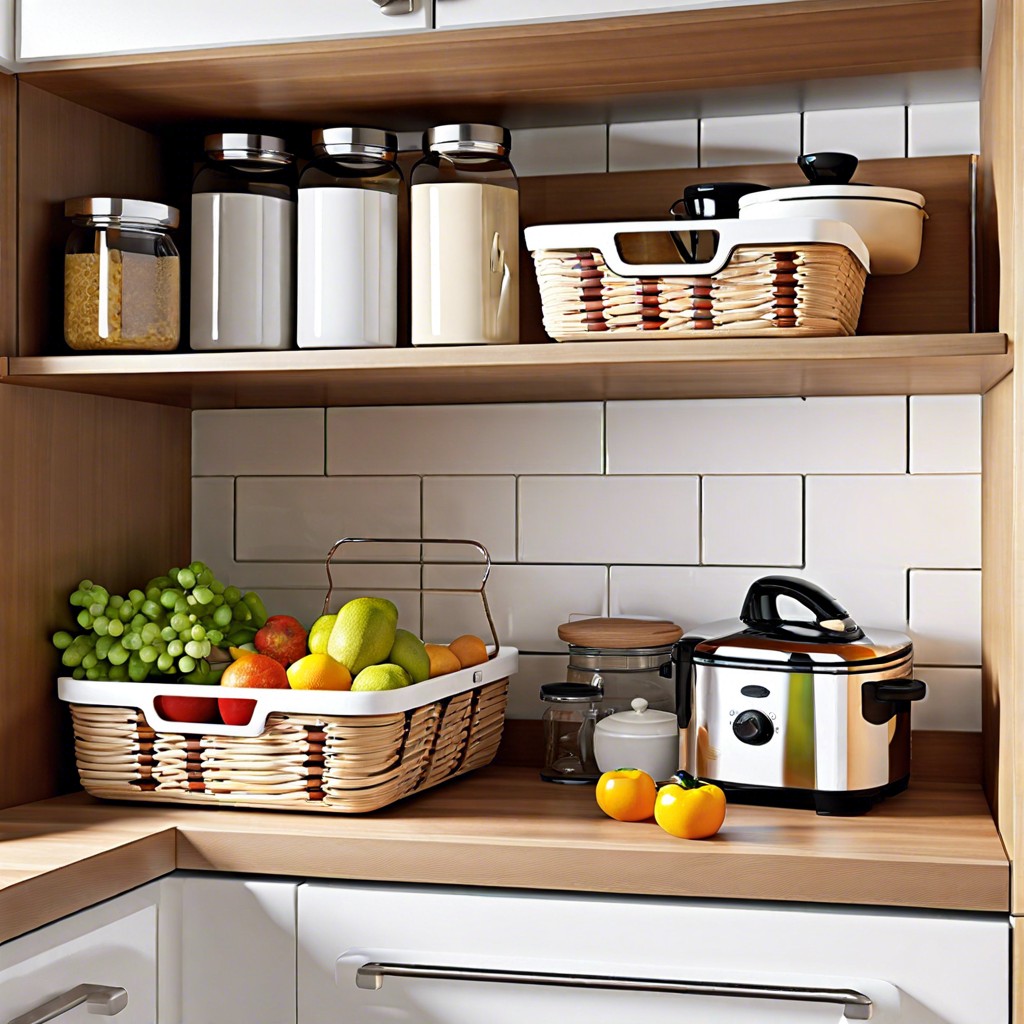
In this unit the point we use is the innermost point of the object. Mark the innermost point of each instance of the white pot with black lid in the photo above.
(809, 711)
(889, 220)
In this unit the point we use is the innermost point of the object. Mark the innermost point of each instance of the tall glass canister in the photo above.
(243, 244)
(348, 240)
(465, 238)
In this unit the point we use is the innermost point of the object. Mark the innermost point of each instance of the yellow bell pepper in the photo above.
(689, 808)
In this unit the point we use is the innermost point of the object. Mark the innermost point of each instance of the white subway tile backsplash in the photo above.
(369, 577)
(759, 436)
(752, 520)
(944, 129)
(652, 145)
(872, 133)
(296, 519)
(609, 519)
(213, 521)
(524, 687)
(884, 521)
(945, 434)
(257, 442)
(953, 701)
(579, 149)
(528, 602)
(754, 139)
(945, 616)
(466, 439)
(695, 595)
(481, 508)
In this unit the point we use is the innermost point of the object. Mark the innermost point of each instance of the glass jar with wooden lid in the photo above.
(632, 656)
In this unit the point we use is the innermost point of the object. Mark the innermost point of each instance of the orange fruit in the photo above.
(627, 794)
(469, 649)
(257, 671)
(442, 660)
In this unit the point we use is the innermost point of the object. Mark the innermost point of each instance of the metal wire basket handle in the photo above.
(481, 590)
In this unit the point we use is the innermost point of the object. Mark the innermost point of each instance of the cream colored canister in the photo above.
(465, 239)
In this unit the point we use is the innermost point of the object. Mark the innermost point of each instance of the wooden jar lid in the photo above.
(619, 634)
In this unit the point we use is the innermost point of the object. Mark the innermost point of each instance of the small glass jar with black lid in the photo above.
(122, 276)
(243, 245)
(571, 711)
(348, 240)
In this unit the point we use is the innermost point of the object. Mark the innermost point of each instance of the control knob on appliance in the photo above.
(753, 727)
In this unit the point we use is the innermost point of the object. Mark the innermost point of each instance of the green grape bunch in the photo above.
(168, 629)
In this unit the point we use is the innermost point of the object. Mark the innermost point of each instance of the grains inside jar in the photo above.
(142, 301)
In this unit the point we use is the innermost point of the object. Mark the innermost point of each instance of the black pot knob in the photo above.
(828, 168)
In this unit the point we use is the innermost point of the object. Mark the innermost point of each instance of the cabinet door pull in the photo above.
(104, 1000)
(395, 6)
(856, 1005)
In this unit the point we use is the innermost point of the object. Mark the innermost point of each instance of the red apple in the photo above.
(283, 639)
(187, 709)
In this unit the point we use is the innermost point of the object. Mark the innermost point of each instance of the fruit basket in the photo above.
(340, 752)
(790, 278)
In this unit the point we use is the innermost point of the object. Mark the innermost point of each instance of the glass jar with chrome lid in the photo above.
(243, 244)
(348, 240)
(632, 656)
(465, 238)
(122, 276)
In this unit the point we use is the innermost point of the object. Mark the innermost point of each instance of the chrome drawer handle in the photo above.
(856, 1005)
(395, 6)
(104, 1000)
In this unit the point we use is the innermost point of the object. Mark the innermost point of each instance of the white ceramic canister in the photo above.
(642, 738)
(465, 238)
(348, 241)
(243, 245)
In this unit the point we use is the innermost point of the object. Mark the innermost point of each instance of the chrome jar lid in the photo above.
(109, 211)
(351, 141)
(240, 146)
(468, 138)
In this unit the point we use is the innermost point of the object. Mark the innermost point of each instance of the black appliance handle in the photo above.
(901, 689)
(761, 609)
(682, 656)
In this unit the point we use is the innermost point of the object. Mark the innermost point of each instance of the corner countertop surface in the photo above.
(934, 846)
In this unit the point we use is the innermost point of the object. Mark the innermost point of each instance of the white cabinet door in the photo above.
(51, 29)
(6, 33)
(464, 13)
(227, 950)
(112, 945)
(915, 968)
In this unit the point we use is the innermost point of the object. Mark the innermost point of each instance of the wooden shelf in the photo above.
(701, 368)
(569, 69)
(934, 846)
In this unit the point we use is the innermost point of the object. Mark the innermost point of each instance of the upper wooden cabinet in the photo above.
(52, 29)
(466, 13)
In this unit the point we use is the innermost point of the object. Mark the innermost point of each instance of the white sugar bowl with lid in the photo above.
(642, 738)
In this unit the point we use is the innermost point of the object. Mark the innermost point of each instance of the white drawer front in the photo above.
(227, 951)
(916, 968)
(51, 29)
(113, 944)
(463, 13)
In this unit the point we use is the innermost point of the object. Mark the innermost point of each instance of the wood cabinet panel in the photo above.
(8, 214)
(91, 487)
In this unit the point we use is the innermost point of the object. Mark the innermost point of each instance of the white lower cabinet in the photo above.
(390, 955)
(227, 950)
(111, 947)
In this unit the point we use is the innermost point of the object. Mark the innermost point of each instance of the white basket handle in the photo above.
(732, 233)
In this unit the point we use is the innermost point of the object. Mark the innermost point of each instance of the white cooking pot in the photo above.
(890, 220)
(642, 738)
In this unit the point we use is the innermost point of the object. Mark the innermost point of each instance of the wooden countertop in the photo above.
(931, 847)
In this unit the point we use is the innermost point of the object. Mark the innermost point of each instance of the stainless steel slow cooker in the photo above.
(797, 712)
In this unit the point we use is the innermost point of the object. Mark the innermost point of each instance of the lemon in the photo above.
(381, 677)
(363, 633)
(409, 652)
(318, 672)
(320, 634)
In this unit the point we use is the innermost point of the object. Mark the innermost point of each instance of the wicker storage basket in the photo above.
(301, 750)
(783, 278)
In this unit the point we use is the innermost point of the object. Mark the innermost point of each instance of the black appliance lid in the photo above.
(828, 640)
